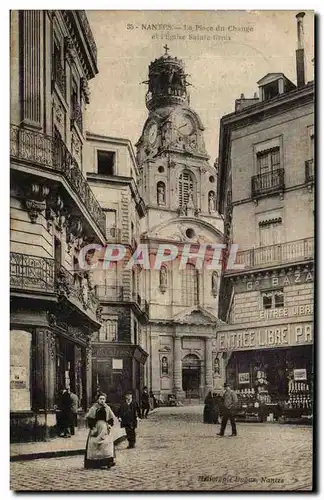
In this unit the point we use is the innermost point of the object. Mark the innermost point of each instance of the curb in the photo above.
(55, 454)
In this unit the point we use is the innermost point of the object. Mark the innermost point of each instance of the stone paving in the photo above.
(176, 451)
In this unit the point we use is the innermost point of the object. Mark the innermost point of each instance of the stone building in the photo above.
(120, 348)
(178, 185)
(54, 213)
(266, 193)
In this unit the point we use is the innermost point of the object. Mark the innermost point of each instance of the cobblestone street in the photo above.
(176, 451)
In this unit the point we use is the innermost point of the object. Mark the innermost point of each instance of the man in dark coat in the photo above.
(66, 413)
(145, 403)
(129, 413)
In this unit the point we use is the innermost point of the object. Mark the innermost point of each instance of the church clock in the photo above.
(152, 132)
(183, 124)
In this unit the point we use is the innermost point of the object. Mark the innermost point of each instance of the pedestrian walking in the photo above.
(74, 410)
(145, 403)
(66, 413)
(129, 415)
(100, 452)
(229, 403)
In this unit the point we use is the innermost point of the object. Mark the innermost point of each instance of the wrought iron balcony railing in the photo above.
(45, 150)
(292, 251)
(309, 171)
(38, 274)
(268, 183)
(31, 273)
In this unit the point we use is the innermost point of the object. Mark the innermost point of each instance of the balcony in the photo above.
(31, 273)
(38, 274)
(293, 251)
(309, 171)
(268, 183)
(46, 151)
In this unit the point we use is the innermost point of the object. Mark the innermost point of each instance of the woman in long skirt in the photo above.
(100, 451)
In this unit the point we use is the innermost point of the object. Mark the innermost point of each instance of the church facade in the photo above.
(178, 186)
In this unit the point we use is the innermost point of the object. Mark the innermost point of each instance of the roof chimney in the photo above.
(300, 53)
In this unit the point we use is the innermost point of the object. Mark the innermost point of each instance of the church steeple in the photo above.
(167, 84)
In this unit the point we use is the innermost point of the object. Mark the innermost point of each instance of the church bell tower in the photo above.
(178, 185)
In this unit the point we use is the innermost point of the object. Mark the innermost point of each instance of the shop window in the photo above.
(273, 299)
(109, 329)
(106, 162)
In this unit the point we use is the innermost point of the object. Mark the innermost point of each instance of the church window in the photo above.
(212, 179)
(190, 233)
(161, 170)
(186, 185)
(189, 285)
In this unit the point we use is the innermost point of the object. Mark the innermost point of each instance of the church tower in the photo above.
(178, 185)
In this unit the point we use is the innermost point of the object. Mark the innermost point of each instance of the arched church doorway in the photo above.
(191, 375)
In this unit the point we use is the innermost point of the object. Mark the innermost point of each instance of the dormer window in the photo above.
(273, 85)
(271, 90)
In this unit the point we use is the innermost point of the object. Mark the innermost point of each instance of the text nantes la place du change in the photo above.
(198, 32)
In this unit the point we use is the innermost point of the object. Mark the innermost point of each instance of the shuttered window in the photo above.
(268, 160)
(185, 186)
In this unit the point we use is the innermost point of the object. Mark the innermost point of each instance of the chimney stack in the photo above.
(300, 52)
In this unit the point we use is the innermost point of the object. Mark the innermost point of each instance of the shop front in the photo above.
(117, 368)
(271, 370)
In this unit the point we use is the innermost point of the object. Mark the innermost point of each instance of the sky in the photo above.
(220, 70)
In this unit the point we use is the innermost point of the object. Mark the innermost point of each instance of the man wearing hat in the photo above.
(129, 414)
(230, 401)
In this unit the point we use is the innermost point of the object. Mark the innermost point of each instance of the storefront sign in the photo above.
(285, 312)
(112, 351)
(262, 338)
(117, 364)
(267, 282)
(244, 378)
(300, 374)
